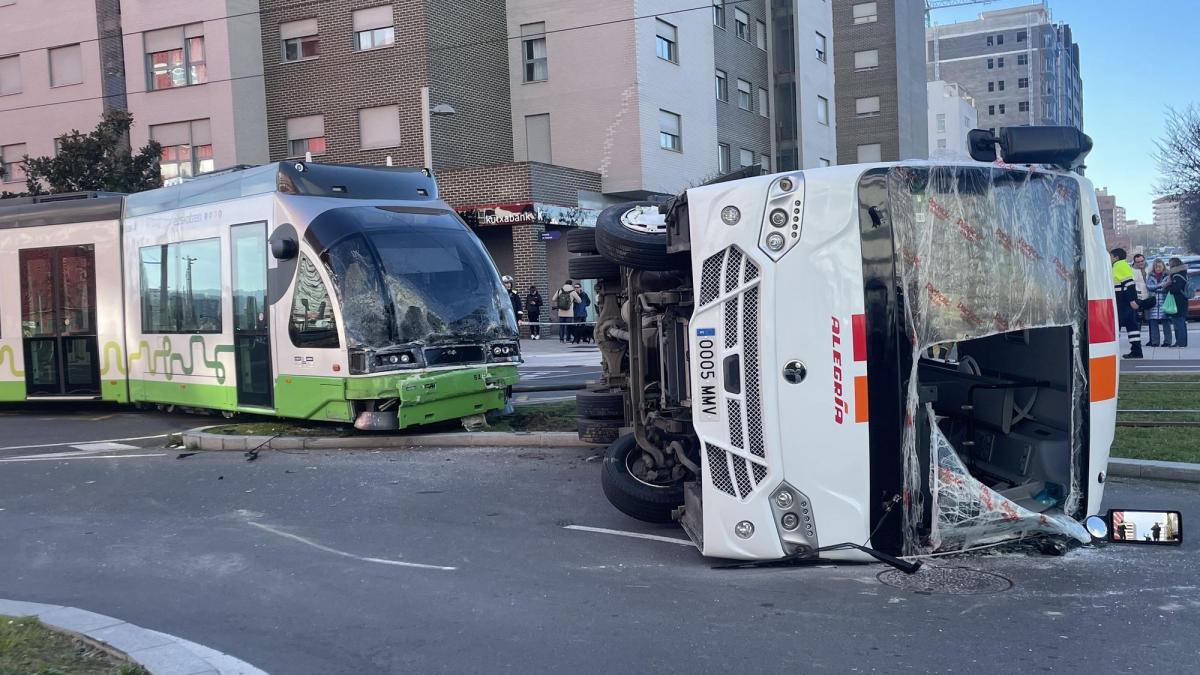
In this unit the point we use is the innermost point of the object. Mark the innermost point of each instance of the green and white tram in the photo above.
(293, 289)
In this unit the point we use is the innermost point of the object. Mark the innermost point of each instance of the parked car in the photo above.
(1193, 293)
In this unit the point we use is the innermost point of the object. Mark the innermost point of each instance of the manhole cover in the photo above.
(948, 580)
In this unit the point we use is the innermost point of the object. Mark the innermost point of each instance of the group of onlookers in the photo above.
(1154, 294)
(570, 304)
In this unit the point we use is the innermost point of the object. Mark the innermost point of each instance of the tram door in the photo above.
(58, 321)
(251, 322)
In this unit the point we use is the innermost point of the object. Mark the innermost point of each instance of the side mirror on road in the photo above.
(1129, 526)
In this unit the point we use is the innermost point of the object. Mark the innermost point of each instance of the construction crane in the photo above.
(931, 5)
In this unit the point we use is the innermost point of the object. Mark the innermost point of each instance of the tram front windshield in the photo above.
(415, 278)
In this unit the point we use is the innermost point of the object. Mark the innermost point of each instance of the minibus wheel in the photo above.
(628, 486)
(592, 267)
(600, 405)
(600, 432)
(634, 235)
(582, 240)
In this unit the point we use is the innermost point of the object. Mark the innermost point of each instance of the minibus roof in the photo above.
(292, 178)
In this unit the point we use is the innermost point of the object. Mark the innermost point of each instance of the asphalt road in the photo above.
(333, 563)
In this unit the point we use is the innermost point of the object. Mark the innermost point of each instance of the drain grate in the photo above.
(946, 581)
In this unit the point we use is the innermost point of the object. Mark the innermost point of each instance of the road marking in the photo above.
(635, 535)
(44, 458)
(75, 443)
(344, 554)
(102, 447)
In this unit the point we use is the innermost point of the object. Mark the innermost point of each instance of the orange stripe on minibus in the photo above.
(1104, 378)
(861, 413)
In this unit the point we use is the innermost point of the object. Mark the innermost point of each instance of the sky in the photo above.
(1139, 57)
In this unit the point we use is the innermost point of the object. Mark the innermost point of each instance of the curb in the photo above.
(158, 652)
(1153, 469)
(533, 388)
(199, 439)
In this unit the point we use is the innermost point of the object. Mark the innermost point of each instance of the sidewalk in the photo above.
(1164, 359)
(549, 352)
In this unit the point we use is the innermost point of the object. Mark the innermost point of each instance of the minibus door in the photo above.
(251, 320)
(58, 321)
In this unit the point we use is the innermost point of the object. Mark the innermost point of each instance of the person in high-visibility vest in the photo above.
(1125, 288)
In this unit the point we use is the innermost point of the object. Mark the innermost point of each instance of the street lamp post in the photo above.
(443, 110)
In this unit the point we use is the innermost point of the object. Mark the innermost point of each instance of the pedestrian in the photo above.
(1160, 323)
(564, 300)
(581, 313)
(1177, 287)
(1127, 306)
(1156, 530)
(533, 311)
(515, 298)
(1139, 280)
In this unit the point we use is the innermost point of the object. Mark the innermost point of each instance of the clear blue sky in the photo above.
(1138, 57)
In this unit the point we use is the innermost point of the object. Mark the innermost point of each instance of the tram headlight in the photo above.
(406, 358)
(497, 350)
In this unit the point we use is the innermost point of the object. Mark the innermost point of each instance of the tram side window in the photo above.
(313, 323)
(181, 287)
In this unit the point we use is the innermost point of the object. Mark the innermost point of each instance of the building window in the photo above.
(1001, 108)
(868, 106)
(175, 57)
(746, 158)
(313, 324)
(722, 86)
(181, 287)
(66, 66)
(1000, 85)
(745, 100)
(14, 166)
(299, 40)
(719, 13)
(866, 12)
(991, 86)
(1000, 62)
(1022, 83)
(10, 75)
(373, 28)
(870, 152)
(722, 158)
(822, 110)
(991, 63)
(187, 148)
(537, 138)
(822, 48)
(533, 52)
(760, 35)
(306, 134)
(821, 161)
(379, 127)
(1023, 106)
(866, 60)
(992, 130)
(999, 39)
(1022, 59)
(991, 40)
(1021, 36)
(941, 122)
(666, 41)
(991, 109)
(765, 162)
(941, 144)
(741, 24)
(670, 131)
(764, 102)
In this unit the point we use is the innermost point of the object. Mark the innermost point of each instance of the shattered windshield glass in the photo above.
(417, 277)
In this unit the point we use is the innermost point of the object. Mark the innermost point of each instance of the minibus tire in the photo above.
(600, 405)
(631, 496)
(592, 267)
(600, 432)
(630, 248)
(582, 240)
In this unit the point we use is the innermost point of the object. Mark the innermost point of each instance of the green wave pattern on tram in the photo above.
(169, 358)
(7, 356)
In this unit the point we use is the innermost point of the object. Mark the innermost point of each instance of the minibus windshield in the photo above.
(408, 277)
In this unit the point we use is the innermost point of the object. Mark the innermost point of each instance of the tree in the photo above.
(100, 160)
(1179, 160)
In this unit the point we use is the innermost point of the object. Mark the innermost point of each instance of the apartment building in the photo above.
(952, 115)
(802, 72)
(1168, 216)
(1112, 220)
(190, 73)
(879, 60)
(1021, 66)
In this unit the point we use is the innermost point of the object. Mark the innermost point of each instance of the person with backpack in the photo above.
(564, 301)
(582, 334)
(1177, 289)
(1160, 323)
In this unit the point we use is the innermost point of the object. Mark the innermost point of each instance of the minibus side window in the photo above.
(313, 324)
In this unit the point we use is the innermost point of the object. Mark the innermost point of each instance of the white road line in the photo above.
(74, 443)
(43, 458)
(101, 447)
(322, 547)
(623, 533)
